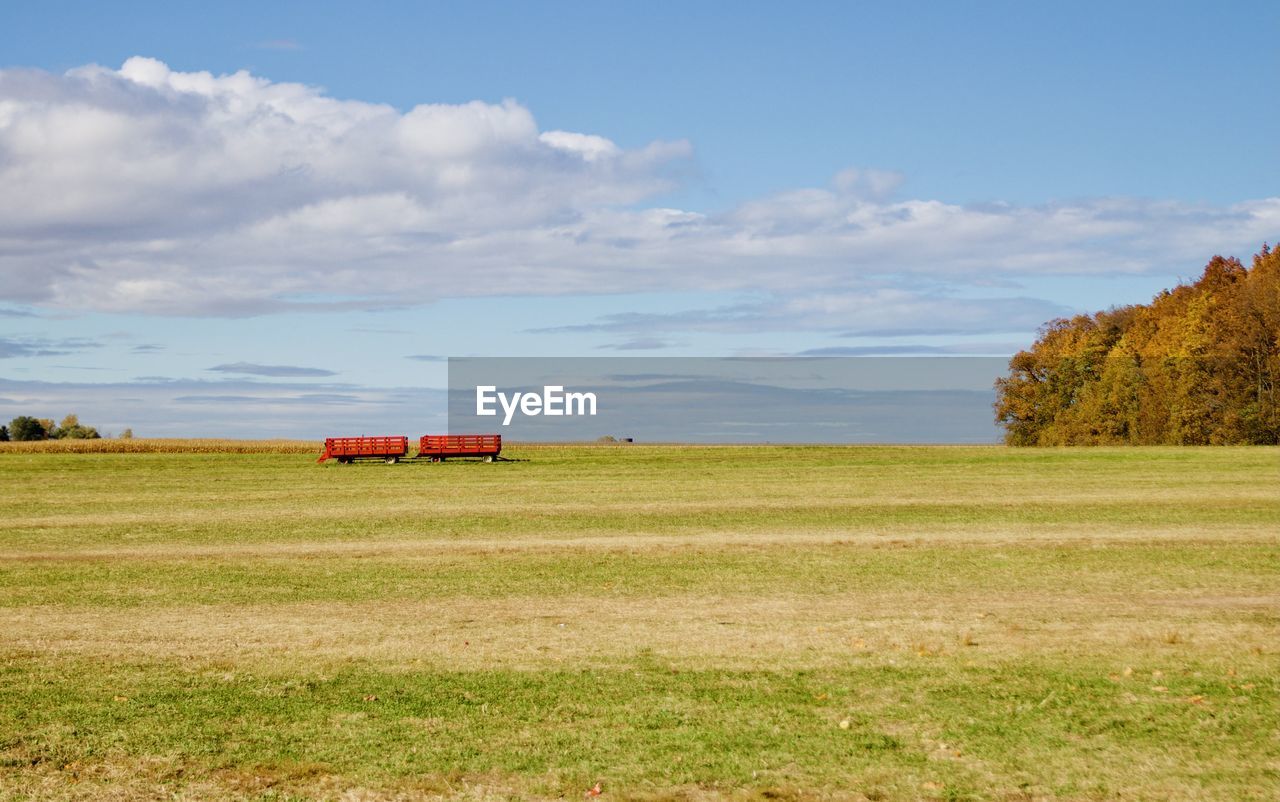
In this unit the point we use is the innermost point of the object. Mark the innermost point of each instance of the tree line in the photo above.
(25, 427)
(1196, 366)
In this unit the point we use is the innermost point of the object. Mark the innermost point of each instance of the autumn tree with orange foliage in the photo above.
(1199, 365)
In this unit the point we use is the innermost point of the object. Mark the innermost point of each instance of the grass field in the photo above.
(704, 623)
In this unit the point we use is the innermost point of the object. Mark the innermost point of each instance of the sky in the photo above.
(247, 219)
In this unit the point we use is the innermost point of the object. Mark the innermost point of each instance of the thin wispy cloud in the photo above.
(167, 407)
(305, 399)
(917, 349)
(275, 371)
(869, 312)
(15, 347)
(638, 344)
(278, 44)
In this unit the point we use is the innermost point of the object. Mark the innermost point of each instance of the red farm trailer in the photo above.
(350, 449)
(437, 447)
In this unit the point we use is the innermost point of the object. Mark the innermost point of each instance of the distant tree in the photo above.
(127, 434)
(72, 429)
(24, 428)
(49, 428)
(4, 434)
(1200, 364)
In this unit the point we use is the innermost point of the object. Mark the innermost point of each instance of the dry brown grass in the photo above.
(214, 445)
(118, 778)
(698, 632)
(392, 546)
(124, 779)
(162, 445)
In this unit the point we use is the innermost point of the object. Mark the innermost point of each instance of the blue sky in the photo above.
(490, 179)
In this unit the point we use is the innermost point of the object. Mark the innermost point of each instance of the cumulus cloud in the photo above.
(144, 189)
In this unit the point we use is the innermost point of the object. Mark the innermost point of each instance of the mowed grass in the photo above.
(674, 623)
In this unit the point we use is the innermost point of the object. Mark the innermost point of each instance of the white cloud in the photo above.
(588, 146)
(866, 312)
(148, 190)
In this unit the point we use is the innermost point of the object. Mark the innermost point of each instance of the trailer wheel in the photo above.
(487, 458)
(391, 460)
